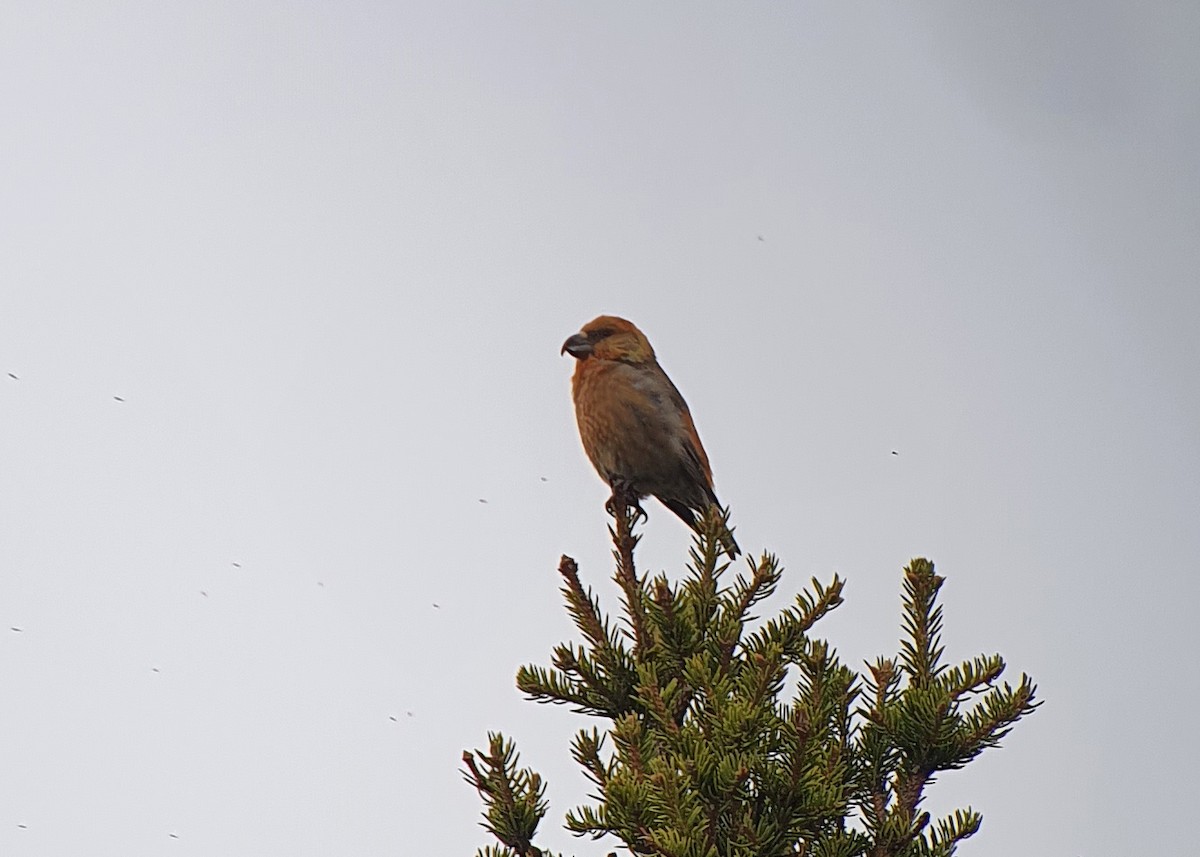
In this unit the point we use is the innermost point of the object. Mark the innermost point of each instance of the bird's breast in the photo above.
(629, 424)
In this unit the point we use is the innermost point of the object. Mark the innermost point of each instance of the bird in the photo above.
(635, 426)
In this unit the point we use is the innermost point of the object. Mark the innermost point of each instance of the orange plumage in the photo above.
(634, 424)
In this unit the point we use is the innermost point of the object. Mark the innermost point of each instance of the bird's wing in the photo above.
(697, 464)
(695, 459)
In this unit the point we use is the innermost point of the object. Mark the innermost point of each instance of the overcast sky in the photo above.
(289, 457)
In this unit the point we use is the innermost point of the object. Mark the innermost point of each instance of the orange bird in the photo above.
(635, 426)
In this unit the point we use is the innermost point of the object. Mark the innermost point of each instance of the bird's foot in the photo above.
(623, 497)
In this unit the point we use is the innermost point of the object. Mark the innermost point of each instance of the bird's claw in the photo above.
(624, 498)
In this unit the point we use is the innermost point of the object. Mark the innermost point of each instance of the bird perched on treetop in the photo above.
(635, 426)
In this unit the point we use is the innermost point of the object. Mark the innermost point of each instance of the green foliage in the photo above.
(703, 758)
(514, 797)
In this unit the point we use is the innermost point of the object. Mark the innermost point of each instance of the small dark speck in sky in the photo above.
(202, 592)
(437, 606)
(14, 377)
(760, 238)
(154, 669)
(117, 399)
(319, 583)
(481, 500)
(23, 826)
(18, 630)
(237, 565)
(392, 718)
(173, 835)
(894, 452)
(544, 479)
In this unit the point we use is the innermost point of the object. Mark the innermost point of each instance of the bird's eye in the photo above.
(602, 333)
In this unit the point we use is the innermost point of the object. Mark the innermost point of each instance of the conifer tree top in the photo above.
(703, 755)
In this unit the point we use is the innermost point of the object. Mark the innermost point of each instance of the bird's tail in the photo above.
(711, 521)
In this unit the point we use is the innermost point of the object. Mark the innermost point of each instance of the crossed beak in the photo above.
(577, 346)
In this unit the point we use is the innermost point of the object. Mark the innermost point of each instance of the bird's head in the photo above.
(609, 338)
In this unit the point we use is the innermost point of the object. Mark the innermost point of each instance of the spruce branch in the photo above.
(624, 542)
(513, 797)
(701, 754)
(584, 607)
(920, 718)
(921, 652)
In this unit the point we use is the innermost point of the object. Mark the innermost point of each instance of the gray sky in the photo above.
(327, 253)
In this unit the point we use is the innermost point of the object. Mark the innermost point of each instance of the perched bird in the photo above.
(635, 426)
